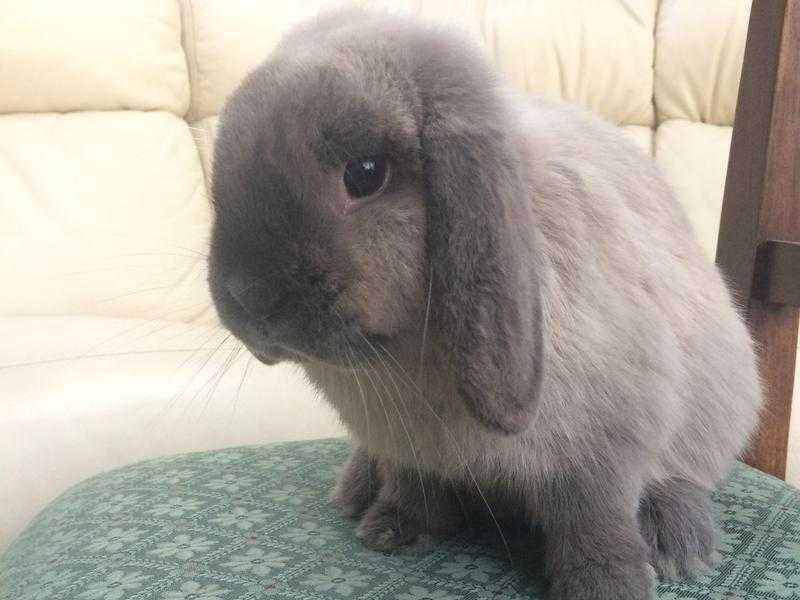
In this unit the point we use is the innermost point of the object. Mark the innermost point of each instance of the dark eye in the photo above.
(366, 176)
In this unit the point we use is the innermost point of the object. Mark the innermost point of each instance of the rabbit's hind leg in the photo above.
(678, 524)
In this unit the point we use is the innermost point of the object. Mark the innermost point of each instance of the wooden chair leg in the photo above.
(775, 331)
(761, 214)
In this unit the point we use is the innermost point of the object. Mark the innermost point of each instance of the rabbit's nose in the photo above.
(252, 294)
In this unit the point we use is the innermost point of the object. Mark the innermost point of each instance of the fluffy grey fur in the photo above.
(521, 324)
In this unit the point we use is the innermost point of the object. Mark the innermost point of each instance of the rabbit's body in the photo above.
(500, 296)
(631, 293)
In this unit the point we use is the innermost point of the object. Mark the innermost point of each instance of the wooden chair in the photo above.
(759, 238)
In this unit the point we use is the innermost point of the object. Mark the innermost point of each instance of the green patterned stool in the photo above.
(250, 523)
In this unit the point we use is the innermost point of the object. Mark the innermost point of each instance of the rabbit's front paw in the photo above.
(610, 581)
(357, 485)
(387, 527)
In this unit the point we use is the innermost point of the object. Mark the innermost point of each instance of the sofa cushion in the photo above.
(694, 158)
(698, 59)
(254, 522)
(103, 213)
(597, 54)
(91, 55)
(81, 395)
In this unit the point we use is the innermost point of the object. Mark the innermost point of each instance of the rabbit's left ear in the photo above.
(481, 238)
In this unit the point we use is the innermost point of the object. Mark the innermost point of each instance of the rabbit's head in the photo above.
(367, 179)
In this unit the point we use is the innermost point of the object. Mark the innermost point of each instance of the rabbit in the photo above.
(498, 294)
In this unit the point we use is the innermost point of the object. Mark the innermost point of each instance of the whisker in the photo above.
(101, 355)
(118, 335)
(202, 366)
(385, 412)
(403, 424)
(187, 249)
(219, 375)
(215, 372)
(189, 330)
(107, 268)
(460, 452)
(350, 353)
(241, 383)
(425, 325)
(162, 327)
(388, 421)
(383, 407)
(144, 291)
(141, 324)
(173, 399)
(194, 254)
(366, 411)
(184, 281)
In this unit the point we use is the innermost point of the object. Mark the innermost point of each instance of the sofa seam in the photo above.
(189, 43)
(656, 117)
(197, 129)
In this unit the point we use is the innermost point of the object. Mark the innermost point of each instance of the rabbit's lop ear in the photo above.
(481, 247)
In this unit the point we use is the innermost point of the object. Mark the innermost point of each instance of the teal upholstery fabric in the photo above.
(251, 523)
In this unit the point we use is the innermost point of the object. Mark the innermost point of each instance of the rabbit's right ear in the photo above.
(485, 289)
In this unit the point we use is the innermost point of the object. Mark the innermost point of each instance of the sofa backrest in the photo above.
(108, 112)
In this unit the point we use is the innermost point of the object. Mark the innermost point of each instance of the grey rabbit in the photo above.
(499, 295)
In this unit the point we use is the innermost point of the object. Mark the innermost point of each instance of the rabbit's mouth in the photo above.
(338, 342)
(342, 350)
(271, 355)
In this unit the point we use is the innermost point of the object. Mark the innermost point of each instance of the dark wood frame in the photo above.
(759, 238)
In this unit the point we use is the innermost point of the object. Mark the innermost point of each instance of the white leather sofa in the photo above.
(109, 347)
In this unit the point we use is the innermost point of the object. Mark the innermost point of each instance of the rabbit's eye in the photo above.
(366, 176)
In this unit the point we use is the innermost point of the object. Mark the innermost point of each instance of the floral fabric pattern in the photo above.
(254, 523)
(183, 547)
(258, 562)
(115, 586)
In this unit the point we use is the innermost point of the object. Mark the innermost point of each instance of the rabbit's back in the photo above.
(643, 337)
